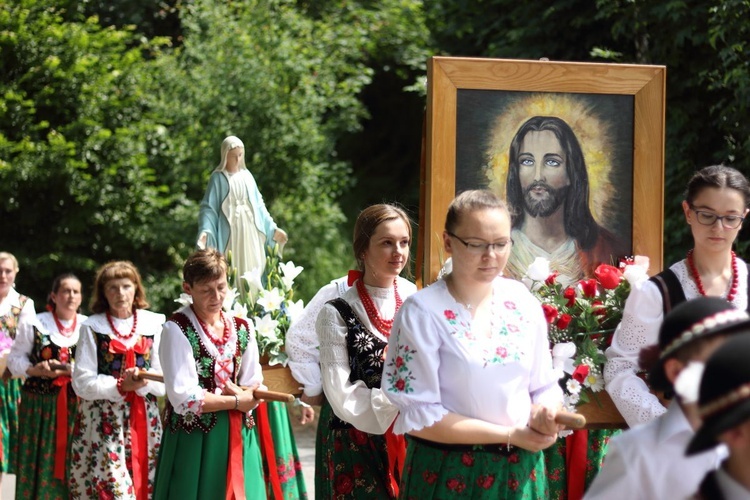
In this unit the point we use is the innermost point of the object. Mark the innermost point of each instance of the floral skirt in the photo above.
(35, 451)
(288, 466)
(349, 464)
(100, 450)
(194, 466)
(435, 471)
(557, 471)
(10, 396)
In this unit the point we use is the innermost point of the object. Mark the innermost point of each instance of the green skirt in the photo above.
(10, 397)
(439, 471)
(35, 453)
(288, 465)
(554, 457)
(195, 465)
(349, 464)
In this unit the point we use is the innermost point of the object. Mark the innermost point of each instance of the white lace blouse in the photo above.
(91, 385)
(369, 410)
(641, 320)
(436, 365)
(18, 359)
(302, 344)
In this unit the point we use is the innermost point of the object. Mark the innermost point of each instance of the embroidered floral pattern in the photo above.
(398, 373)
(44, 349)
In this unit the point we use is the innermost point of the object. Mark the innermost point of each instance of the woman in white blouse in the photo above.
(715, 205)
(209, 450)
(357, 456)
(118, 430)
(470, 370)
(44, 355)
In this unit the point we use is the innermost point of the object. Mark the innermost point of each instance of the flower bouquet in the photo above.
(582, 319)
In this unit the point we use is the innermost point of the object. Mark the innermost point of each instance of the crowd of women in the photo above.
(439, 393)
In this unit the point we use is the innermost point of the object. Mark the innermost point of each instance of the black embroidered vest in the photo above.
(366, 353)
(204, 366)
(46, 350)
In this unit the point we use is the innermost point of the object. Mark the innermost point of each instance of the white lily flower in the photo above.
(294, 310)
(266, 326)
(562, 358)
(289, 270)
(239, 310)
(270, 299)
(539, 269)
(185, 299)
(229, 300)
(254, 278)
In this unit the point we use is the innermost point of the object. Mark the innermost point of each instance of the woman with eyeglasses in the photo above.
(716, 204)
(470, 371)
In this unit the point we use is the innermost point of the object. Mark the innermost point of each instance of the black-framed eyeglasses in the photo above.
(710, 218)
(482, 248)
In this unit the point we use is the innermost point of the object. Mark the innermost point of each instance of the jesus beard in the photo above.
(546, 206)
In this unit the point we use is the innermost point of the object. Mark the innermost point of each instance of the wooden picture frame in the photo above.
(447, 76)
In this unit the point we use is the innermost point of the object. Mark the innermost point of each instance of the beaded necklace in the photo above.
(699, 282)
(116, 332)
(216, 340)
(383, 325)
(65, 331)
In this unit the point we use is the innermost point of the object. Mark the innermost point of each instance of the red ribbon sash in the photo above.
(396, 448)
(354, 275)
(235, 469)
(576, 445)
(61, 426)
(267, 449)
(138, 428)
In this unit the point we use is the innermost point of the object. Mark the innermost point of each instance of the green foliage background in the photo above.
(112, 113)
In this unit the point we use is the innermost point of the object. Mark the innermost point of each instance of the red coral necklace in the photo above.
(65, 331)
(697, 277)
(383, 325)
(116, 332)
(216, 340)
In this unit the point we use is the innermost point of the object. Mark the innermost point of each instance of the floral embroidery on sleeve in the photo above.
(398, 372)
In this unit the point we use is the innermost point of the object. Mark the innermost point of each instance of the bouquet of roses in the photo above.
(581, 320)
(266, 301)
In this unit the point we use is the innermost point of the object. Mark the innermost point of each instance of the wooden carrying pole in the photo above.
(258, 393)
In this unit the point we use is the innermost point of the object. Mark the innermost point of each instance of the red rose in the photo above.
(344, 484)
(550, 312)
(570, 294)
(588, 287)
(107, 428)
(552, 278)
(400, 384)
(564, 320)
(580, 373)
(399, 361)
(449, 314)
(113, 456)
(453, 484)
(467, 459)
(608, 276)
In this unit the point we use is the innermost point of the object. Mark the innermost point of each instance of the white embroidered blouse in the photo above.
(180, 373)
(369, 410)
(436, 365)
(641, 320)
(18, 359)
(88, 382)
